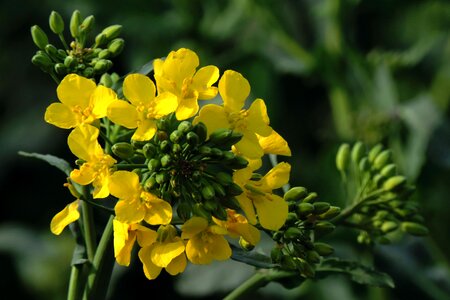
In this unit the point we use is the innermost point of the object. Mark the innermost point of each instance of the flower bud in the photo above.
(331, 213)
(176, 136)
(42, 61)
(389, 170)
(293, 233)
(414, 228)
(56, 22)
(100, 39)
(322, 228)
(304, 209)
(192, 138)
(323, 249)
(153, 164)
(116, 46)
(357, 152)
(216, 152)
(184, 211)
(382, 159)
(88, 72)
(75, 21)
(200, 211)
(312, 256)
(374, 152)
(104, 54)
(388, 226)
(276, 254)
(310, 198)
(87, 25)
(164, 146)
(122, 150)
(224, 179)
(52, 51)
(185, 126)
(288, 262)
(70, 62)
(106, 80)
(220, 213)
(161, 177)
(228, 155)
(342, 157)
(394, 183)
(201, 130)
(234, 190)
(238, 162)
(208, 192)
(101, 66)
(176, 148)
(295, 194)
(321, 207)
(230, 202)
(39, 37)
(60, 69)
(166, 160)
(245, 244)
(364, 165)
(113, 31)
(150, 183)
(220, 136)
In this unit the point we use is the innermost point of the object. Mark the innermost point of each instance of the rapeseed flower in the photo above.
(238, 226)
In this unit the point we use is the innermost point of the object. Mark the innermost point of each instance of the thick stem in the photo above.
(72, 293)
(88, 230)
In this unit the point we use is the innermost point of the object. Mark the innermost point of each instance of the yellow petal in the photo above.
(160, 212)
(177, 265)
(151, 271)
(247, 206)
(61, 115)
(129, 211)
(257, 120)
(164, 253)
(187, 108)
(68, 215)
(145, 236)
(145, 131)
(84, 176)
(193, 226)
(101, 186)
(101, 99)
(274, 144)
(83, 142)
(234, 89)
(204, 79)
(75, 90)
(272, 211)
(124, 185)
(248, 232)
(276, 177)
(123, 113)
(213, 116)
(164, 104)
(249, 146)
(139, 89)
(123, 242)
(219, 247)
(180, 64)
(197, 251)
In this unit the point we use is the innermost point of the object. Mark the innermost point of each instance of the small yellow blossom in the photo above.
(124, 237)
(205, 242)
(238, 226)
(68, 215)
(134, 203)
(234, 89)
(82, 102)
(167, 252)
(144, 108)
(83, 143)
(177, 74)
(271, 209)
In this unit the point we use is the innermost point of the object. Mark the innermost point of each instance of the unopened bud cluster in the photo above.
(308, 220)
(88, 60)
(385, 207)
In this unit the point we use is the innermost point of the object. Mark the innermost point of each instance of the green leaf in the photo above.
(356, 271)
(252, 258)
(57, 162)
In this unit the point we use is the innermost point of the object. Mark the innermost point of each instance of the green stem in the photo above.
(73, 283)
(63, 41)
(88, 229)
(100, 273)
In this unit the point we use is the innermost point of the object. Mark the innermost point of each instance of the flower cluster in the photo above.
(183, 177)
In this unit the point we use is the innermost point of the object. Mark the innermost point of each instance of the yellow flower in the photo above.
(274, 144)
(237, 225)
(167, 252)
(82, 102)
(234, 89)
(177, 74)
(83, 143)
(205, 242)
(134, 203)
(68, 215)
(124, 237)
(144, 108)
(271, 209)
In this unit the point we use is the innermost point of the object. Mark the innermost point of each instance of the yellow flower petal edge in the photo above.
(68, 215)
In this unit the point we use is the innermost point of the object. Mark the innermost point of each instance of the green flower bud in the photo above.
(331, 213)
(322, 228)
(220, 136)
(60, 69)
(70, 62)
(378, 179)
(52, 51)
(88, 72)
(210, 205)
(185, 126)
(39, 37)
(201, 130)
(184, 211)
(87, 25)
(75, 21)
(238, 162)
(101, 66)
(291, 218)
(321, 207)
(219, 189)
(364, 165)
(122, 150)
(176, 148)
(200, 211)
(176, 136)
(293, 233)
(216, 152)
(389, 170)
(42, 61)
(414, 228)
(165, 146)
(382, 159)
(56, 22)
(323, 249)
(288, 262)
(111, 32)
(154, 164)
(310, 198)
(166, 160)
(374, 152)
(304, 209)
(162, 177)
(312, 256)
(106, 80)
(230, 202)
(150, 183)
(342, 157)
(220, 213)
(234, 190)
(204, 150)
(192, 138)
(100, 40)
(208, 192)
(116, 46)
(224, 179)
(388, 226)
(104, 54)
(245, 245)
(228, 155)
(357, 152)
(276, 254)
(62, 54)
(394, 183)
(295, 194)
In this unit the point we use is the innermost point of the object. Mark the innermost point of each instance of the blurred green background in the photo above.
(330, 71)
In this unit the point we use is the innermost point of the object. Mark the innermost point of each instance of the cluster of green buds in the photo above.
(381, 206)
(77, 57)
(308, 220)
(184, 167)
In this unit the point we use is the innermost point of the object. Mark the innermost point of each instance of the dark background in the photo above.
(330, 71)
